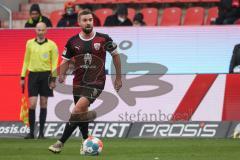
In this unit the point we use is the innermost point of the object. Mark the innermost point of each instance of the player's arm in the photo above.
(66, 57)
(63, 70)
(25, 66)
(54, 62)
(25, 61)
(111, 47)
(117, 65)
(234, 58)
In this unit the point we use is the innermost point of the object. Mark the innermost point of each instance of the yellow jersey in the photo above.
(40, 57)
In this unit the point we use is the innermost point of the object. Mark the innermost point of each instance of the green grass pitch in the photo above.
(125, 149)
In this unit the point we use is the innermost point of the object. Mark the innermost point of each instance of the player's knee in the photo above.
(80, 109)
(32, 105)
(43, 102)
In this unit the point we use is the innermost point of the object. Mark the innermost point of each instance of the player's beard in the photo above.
(87, 30)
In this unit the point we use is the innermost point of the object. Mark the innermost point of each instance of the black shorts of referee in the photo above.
(38, 84)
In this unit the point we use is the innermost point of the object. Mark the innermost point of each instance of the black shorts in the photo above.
(89, 92)
(38, 84)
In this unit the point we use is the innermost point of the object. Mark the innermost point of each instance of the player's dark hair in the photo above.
(84, 12)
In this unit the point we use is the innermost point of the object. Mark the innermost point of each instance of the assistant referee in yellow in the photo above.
(41, 59)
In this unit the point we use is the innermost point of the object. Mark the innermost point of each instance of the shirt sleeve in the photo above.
(110, 46)
(26, 60)
(233, 62)
(67, 53)
(54, 60)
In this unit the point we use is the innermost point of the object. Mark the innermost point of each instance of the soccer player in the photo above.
(88, 50)
(41, 58)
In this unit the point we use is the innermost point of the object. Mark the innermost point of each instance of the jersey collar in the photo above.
(94, 34)
(46, 40)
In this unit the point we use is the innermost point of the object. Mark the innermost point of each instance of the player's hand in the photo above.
(52, 85)
(22, 84)
(118, 84)
(61, 78)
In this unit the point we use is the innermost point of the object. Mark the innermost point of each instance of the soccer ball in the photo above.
(92, 146)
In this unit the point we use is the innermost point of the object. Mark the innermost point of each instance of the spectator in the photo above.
(69, 19)
(229, 12)
(120, 18)
(138, 20)
(36, 17)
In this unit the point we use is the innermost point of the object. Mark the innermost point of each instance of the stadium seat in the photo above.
(55, 16)
(102, 14)
(171, 16)
(46, 7)
(194, 16)
(24, 15)
(237, 22)
(166, 1)
(125, 1)
(150, 16)
(212, 15)
(188, 1)
(235, 3)
(85, 1)
(17, 24)
(131, 13)
(20, 15)
(144, 1)
(104, 1)
(209, 1)
(47, 1)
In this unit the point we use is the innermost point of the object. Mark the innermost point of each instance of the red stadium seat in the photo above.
(56, 16)
(131, 13)
(47, 1)
(17, 24)
(237, 21)
(85, 1)
(46, 7)
(171, 17)
(102, 14)
(210, 1)
(150, 16)
(212, 15)
(235, 3)
(104, 1)
(20, 15)
(194, 16)
(189, 1)
(125, 1)
(24, 15)
(144, 1)
(166, 1)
